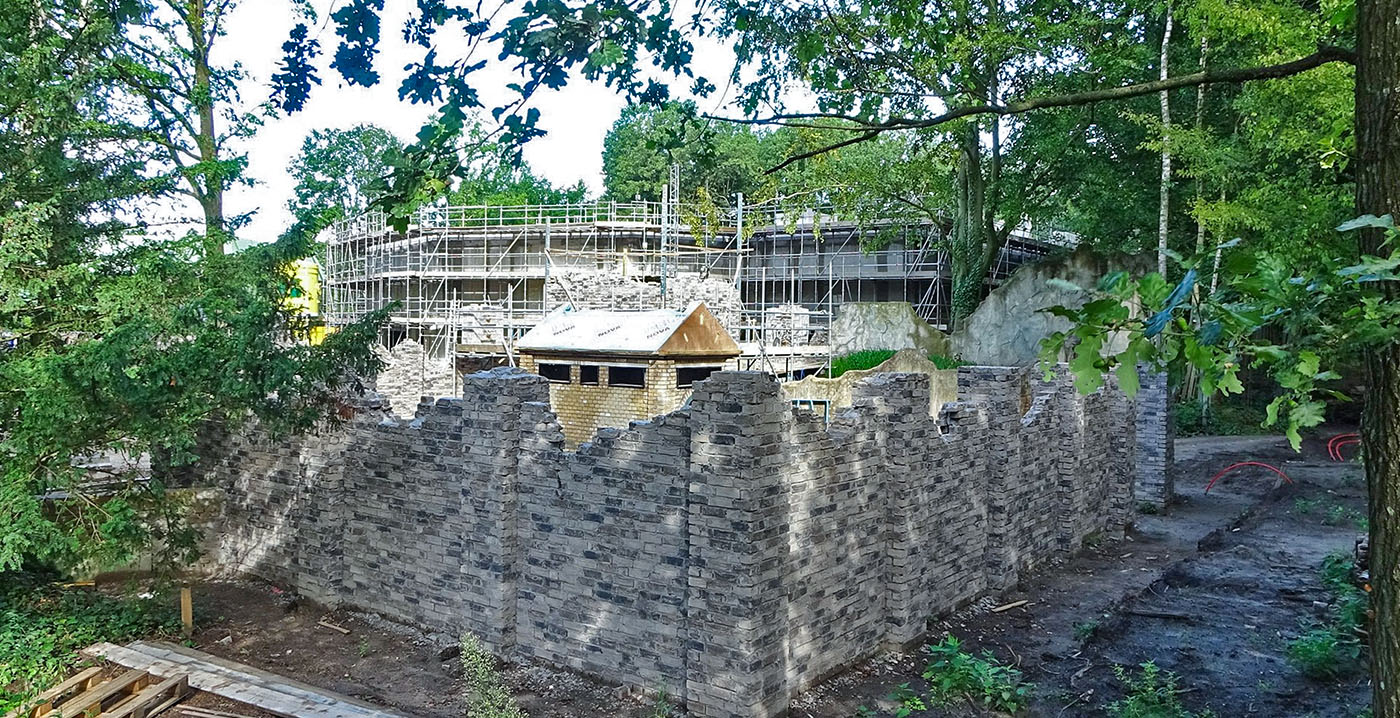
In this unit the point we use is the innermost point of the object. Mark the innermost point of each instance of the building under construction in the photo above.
(469, 281)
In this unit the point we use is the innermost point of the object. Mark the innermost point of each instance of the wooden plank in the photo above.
(91, 701)
(268, 691)
(338, 629)
(145, 702)
(209, 712)
(234, 669)
(42, 704)
(186, 611)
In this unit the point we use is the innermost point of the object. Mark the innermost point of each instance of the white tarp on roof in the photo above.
(605, 331)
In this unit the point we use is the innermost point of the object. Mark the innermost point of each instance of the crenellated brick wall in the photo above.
(731, 553)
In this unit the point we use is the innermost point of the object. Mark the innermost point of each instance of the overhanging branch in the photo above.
(870, 130)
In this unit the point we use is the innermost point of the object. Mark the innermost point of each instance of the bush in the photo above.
(43, 626)
(1323, 653)
(1232, 416)
(1151, 694)
(953, 674)
(487, 695)
(871, 358)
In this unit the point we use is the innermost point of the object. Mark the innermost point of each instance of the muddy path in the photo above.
(1212, 591)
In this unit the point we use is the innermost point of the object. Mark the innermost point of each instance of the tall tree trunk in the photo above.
(211, 195)
(970, 237)
(1200, 124)
(1378, 192)
(1164, 199)
(1191, 382)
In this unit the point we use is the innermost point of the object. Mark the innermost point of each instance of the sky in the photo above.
(576, 118)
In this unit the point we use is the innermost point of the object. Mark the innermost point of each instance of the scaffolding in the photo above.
(472, 280)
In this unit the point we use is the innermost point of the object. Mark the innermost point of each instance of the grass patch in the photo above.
(43, 626)
(1150, 694)
(1331, 512)
(871, 358)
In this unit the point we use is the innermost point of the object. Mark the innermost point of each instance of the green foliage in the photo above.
(953, 675)
(487, 695)
(808, 71)
(1339, 515)
(719, 158)
(43, 626)
(1236, 415)
(491, 174)
(1331, 649)
(1331, 312)
(335, 172)
(1322, 653)
(1084, 630)
(871, 358)
(1150, 694)
(908, 699)
(661, 707)
(119, 344)
(181, 107)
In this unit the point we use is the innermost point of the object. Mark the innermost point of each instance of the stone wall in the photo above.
(1156, 436)
(839, 393)
(611, 289)
(859, 326)
(1006, 328)
(731, 553)
(409, 374)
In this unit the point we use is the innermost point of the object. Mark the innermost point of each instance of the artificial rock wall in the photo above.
(731, 553)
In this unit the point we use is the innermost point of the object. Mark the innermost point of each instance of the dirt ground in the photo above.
(1211, 590)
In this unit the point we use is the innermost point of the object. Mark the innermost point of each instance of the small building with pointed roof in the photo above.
(607, 368)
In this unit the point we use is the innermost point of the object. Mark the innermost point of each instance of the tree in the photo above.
(183, 103)
(1164, 201)
(335, 171)
(720, 158)
(493, 174)
(613, 41)
(117, 344)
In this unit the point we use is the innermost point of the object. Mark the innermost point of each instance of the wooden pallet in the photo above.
(270, 692)
(133, 694)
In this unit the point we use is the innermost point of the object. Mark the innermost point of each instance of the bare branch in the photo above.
(870, 135)
(869, 130)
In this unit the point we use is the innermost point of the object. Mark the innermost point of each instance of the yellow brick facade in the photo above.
(582, 408)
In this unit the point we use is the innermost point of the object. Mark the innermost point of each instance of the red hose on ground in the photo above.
(1232, 467)
(1335, 444)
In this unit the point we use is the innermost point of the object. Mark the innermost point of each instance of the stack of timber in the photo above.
(132, 694)
(236, 681)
